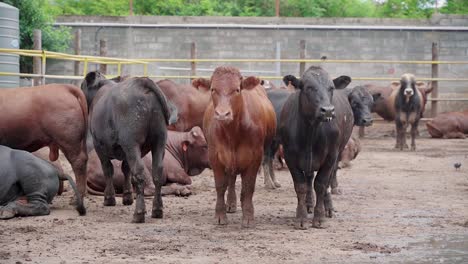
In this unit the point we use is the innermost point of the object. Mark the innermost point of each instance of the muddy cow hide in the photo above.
(127, 120)
(350, 152)
(25, 175)
(315, 124)
(191, 102)
(186, 155)
(238, 123)
(449, 125)
(384, 98)
(54, 116)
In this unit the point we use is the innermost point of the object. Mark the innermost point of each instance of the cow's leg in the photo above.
(398, 127)
(221, 183)
(157, 153)
(135, 163)
(32, 208)
(403, 144)
(321, 184)
(231, 202)
(108, 170)
(127, 197)
(456, 134)
(334, 183)
(300, 185)
(414, 131)
(78, 159)
(310, 197)
(248, 187)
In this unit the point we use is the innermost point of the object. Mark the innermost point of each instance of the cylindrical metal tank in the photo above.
(9, 38)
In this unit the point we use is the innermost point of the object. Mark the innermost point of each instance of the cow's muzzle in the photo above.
(366, 122)
(409, 92)
(327, 113)
(223, 115)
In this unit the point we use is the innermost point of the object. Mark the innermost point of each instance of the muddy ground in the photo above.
(409, 207)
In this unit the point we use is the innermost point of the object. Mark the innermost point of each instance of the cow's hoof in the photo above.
(109, 201)
(222, 220)
(248, 223)
(184, 192)
(329, 212)
(231, 208)
(316, 223)
(277, 185)
(300, 224)
(310, 209)
(158, 213)
(7, 214)
(138, 218)
(336, 191)
(413, 148)
(127, 199)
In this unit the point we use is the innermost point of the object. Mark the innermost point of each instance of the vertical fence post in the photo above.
(77, 47)
(193, 55)
(435, 74)
(103, 53)
(37, 39)
(302, 45)
(277, 8)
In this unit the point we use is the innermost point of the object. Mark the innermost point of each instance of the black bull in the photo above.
(315, 125)
(25, 175)
(127, 120)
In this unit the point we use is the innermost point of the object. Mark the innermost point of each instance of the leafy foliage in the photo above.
(38, 14)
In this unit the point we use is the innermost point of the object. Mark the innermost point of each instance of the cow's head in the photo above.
(196, 151)
(316, 93)
(361, 101)
(226, 87)
(407, 86)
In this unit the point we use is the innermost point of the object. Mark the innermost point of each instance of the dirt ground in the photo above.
(409, 207)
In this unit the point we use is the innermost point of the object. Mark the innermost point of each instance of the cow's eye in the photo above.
(238, 90)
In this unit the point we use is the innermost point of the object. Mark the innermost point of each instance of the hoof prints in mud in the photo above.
(4, 255)
(370, 248)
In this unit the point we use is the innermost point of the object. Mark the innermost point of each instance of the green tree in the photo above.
(38, 14)
(455, 7)
(406, 8)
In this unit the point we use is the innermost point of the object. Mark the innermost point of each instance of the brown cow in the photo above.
(384, 98)
(53, 115)
(238, 123)
(350, 152)
(186, 155)
(191, 103)
(449, 125)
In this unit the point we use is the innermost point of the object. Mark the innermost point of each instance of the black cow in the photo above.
(408, 109)
(25, 175)
(127, 120)
(314, 128)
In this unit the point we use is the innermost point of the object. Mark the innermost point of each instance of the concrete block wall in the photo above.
(218, 43)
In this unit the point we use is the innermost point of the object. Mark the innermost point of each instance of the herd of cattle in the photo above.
(132, 135)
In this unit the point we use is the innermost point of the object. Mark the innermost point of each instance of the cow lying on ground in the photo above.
(25, 175)
(315, 125)
(238, 123)
(186, 155)
(128, 120)
(190, 100)
(384, 105)
(409, 105)
(449, 125)
(53, 116)
(350, 152)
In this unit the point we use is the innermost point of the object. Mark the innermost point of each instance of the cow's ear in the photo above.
(291, 79)
(341, 82)
(202, 84)
(249, 83)
(185, 145)
(395, 85)
(426, 87)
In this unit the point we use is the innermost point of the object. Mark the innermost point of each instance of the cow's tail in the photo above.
(160, 96)
(84, 109)
(79, 202)
(433, 130)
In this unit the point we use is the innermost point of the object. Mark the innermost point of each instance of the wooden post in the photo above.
(193, 55)
(277, 8)
(302, 56)
(435, 84)
(77, 47)
(103, 53)
(37, 62)
(130, 3)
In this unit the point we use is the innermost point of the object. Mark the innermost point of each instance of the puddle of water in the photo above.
(441, 249)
